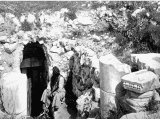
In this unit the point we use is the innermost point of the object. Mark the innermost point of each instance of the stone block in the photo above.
(111, 71)
(141, 81)
(14, 93)
(150, 61)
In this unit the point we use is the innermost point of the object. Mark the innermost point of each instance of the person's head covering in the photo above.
(56, 70)
(54, 78)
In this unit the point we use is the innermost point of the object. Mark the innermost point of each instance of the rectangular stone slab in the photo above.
(141, 81)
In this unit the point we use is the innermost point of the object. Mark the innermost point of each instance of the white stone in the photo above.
(14, 92)
(55, 43)
(138, 11)
(1, 68)
(26, 37)
(22, 18)
(103, 43)
(84, 18)
(16, 21)
(41, 42)
(64, 74)
(69, 54)
(96, 37)
(10, 15)
(103, 8)
(64, 10)
(147, 14)
(31, 18)
(97, 93)
(55, 49)
(10, 47)
(3, 38)
(95, 62)
(13, 39)
(1, 19)
(20, 33)
(25, 42)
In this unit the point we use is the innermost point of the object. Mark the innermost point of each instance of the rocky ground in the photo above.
(75, 35)
(56, 30)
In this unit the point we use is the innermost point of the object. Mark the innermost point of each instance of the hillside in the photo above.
(74, 35)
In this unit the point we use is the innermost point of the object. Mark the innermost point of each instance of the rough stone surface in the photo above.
(84, 18)
(3, 38)
(142, 115)
(62, 113)
(85, 103)
(107, 103)
(149, 61)
(111, 71)
(14, 93)
(9, 48)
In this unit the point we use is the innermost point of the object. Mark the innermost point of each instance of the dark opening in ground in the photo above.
(34, 66)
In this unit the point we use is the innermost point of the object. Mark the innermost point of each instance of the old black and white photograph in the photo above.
(80, 59)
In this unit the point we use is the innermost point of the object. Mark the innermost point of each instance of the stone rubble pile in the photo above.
(123, 91)
(84, 74)
(140, 89)
(141, 86)
(85, 78)
(88, 106)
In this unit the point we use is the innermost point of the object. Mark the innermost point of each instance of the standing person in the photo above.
(54, 96)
